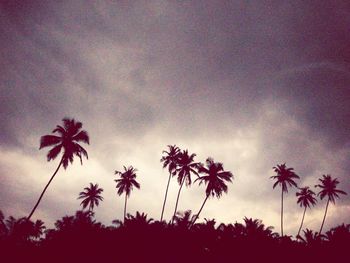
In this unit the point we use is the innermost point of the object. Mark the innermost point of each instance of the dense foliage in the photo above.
(80, 238)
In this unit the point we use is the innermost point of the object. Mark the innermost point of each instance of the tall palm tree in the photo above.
(126, 183)
(170, 160)
(91, 196)
(285, 177)
(69, 136)
(305, 199)
(186, 166)
(215, 178)
(328, 189)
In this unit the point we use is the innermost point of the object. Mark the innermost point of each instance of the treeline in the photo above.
(80, 238)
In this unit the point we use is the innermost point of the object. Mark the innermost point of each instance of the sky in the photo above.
(251, 84)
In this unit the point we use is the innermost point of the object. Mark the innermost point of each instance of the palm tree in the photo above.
(285, 177)
(339, 235)
(140, 220)
(3, 229)
(256, 230)
(91, 196)
(328, 189)
(305, 199)
(186, 167)
(183, 219)
(170, 160)
(38, 229)
(67, 222)
(310, 238)
(126, 183)
(70, 134)
(215, 178)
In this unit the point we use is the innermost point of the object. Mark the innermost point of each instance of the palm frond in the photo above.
(82, 136)
(54, 152)
(49, 140)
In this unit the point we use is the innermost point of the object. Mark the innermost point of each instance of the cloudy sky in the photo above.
(251, 84)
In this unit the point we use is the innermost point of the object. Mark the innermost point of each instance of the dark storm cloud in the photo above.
(209, 57)
(319, 96)
(45, 76)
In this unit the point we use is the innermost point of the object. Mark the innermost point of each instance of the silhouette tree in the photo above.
(285, 177)
(186, 167)
(91, 196)
(38, 229)
(256, 230)
(70, 134)
(170, 160)
(22, 229)
(215, 178)
(328, 189)
(183, 219)
(310, 238)
(3, 229)
(66, 222)
(305, 199)
(339, 235)
(138, 221)
(126, 183)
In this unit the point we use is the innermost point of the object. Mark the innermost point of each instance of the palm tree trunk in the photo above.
(200, 210)
(42, 194)
(177, 199)
(302, 221)
(324, 218)
(126, 198)
(282, 214)
(166, 194)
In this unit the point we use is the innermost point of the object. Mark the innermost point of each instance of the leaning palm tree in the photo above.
(305, 199)
(328, 189)
(215, 178)
(126, 183)
(186, 167)
(67, 141)
(91, 196)
(170, 160)
(285, 177)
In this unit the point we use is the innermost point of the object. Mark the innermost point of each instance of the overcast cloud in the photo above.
(250, 84)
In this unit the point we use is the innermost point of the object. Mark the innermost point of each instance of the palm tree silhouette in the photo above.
(67, 222)
(339, 235)
(70, 134)
(139, 220)
(284, 178)
(328, 189)
(126, 183)
(3, 228)
(91, 196)
(183, 219)
(186, 166)
(215, 178)
(310, 238)
(305, 199)
(38, 229)
(256, 230)
(170, 160)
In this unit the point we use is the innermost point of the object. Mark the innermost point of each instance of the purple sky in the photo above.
(250, 84)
